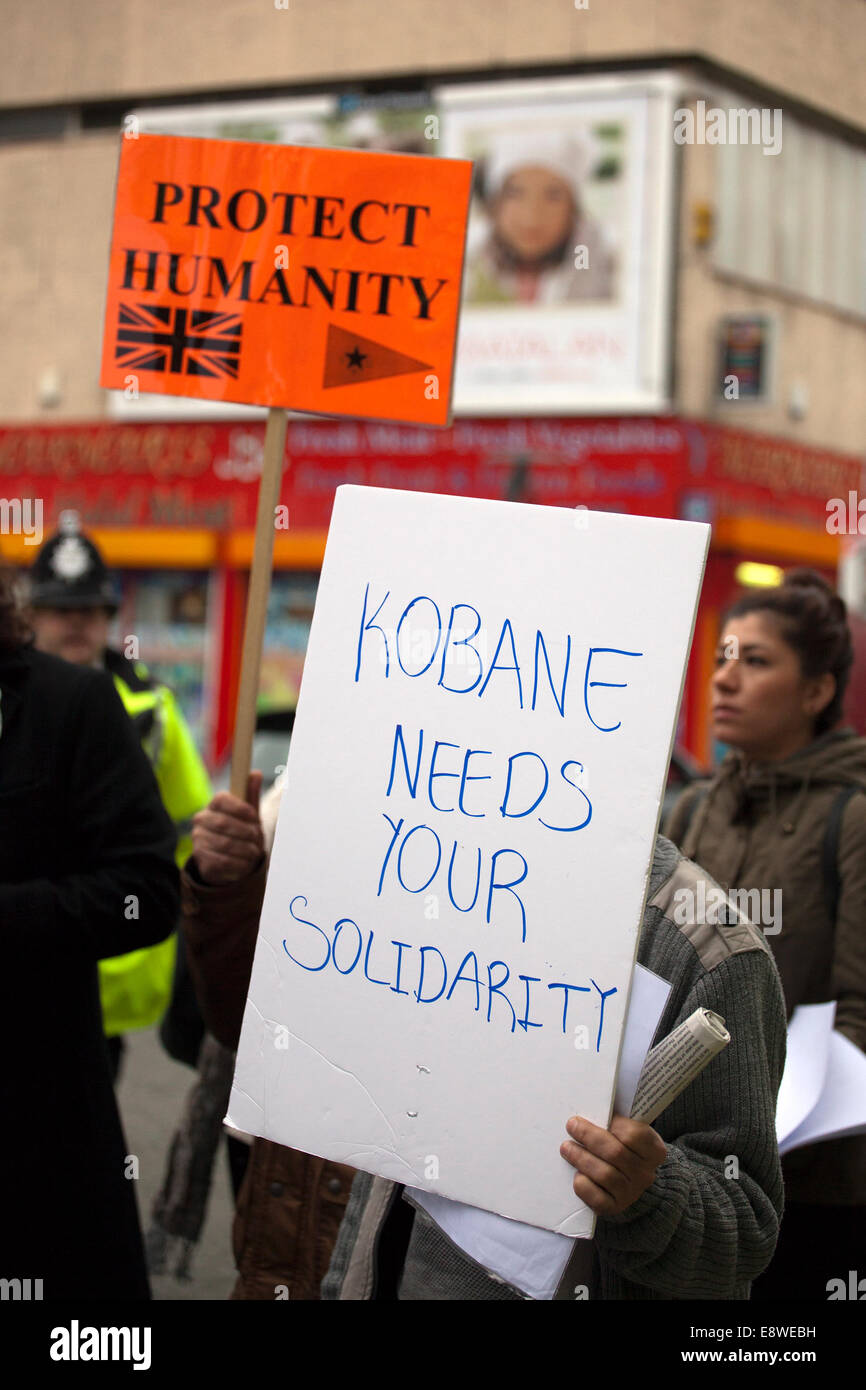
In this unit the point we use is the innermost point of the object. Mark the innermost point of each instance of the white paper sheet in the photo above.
(649, 996)
(841, 1107)
(526, 1256)
(809, 1034)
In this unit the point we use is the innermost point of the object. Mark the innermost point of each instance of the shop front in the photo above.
(172, 505)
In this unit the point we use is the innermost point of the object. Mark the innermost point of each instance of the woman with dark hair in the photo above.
(786, 814)
(86, 871)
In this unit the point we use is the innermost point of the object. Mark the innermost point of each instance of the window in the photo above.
(795, 220)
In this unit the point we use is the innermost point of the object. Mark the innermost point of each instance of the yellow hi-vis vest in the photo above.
(135, 989)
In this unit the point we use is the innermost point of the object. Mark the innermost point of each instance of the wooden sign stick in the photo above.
(257, 600)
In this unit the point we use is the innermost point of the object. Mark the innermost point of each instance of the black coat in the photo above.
(86, 871)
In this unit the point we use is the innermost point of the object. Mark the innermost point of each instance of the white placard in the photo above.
(464, 656)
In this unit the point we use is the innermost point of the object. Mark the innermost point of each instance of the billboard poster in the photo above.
(567, 269)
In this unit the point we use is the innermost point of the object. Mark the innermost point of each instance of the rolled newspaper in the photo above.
(674, 1063)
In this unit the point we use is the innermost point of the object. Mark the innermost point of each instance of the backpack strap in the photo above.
(697, 801)
(830, 853)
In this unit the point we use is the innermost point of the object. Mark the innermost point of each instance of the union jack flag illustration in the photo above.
(194, 342)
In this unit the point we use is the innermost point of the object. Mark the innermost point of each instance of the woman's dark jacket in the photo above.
(86, 871)
(763, 826)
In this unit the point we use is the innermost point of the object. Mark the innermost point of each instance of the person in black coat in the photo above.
(86, 871)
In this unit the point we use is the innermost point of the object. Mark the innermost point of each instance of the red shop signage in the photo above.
(205, 475)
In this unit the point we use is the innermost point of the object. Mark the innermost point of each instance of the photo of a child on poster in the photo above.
(535, 193)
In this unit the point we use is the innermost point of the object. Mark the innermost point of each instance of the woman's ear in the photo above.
(819, 694)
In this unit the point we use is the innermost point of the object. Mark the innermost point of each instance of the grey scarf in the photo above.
(179, 1208)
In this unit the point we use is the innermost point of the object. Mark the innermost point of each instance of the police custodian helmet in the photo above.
(69, 572)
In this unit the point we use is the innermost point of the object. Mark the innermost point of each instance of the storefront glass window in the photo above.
(290, 612)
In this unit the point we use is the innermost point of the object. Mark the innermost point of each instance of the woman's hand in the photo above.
(614, 1166)
(227, 840)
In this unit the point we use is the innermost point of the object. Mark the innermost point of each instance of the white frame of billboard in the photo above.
(663, 90)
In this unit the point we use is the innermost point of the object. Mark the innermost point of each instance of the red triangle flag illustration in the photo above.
(351, 359)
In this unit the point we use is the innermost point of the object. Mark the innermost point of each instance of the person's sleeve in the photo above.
(220, 924)
(849, 951)
(364, 1187)
(182, 776)
(709, 1223)
(122, 892)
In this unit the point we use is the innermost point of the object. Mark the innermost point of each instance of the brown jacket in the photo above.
(291, 1204)
(762, 827)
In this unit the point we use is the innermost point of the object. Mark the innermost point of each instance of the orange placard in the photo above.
(319, 280)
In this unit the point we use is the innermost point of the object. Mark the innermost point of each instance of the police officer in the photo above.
(72, 601)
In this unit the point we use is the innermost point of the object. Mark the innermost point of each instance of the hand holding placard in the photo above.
(614, 1165)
